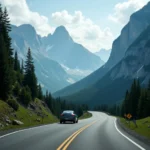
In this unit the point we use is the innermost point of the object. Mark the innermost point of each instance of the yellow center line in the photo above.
(73, 136)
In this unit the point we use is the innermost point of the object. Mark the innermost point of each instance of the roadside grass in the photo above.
(143, 126)
(28, 117)
(85, 115)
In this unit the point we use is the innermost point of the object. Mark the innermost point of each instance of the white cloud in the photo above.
(20, 13)
(124, 10)
(84, 30)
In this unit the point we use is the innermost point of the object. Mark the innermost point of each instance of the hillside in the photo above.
(135, 64)
(139, 21)
(52, 54)
(46, 69)
(37, 113)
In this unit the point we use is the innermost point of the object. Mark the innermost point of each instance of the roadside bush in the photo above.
(13, 103)
(25, 96)
(16, 89)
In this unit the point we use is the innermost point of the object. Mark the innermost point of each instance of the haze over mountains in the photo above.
(129, 59)
(59, 61)
(104, 54)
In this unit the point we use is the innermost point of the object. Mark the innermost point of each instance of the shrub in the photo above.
(13, 103)
(16, 89)
(25, 96)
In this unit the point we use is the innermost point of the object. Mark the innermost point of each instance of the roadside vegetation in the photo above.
(143, 126)
(37, 114)
(85, 115)
(134, 111)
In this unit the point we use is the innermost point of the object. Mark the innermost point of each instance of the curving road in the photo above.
(100, 132)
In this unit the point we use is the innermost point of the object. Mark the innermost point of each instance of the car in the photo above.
(68, 115)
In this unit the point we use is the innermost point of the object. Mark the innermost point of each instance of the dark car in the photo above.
(68, 115)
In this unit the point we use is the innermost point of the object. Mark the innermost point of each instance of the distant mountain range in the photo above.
(103, 54)
(56, 56)
(129, 59)
(61, 48)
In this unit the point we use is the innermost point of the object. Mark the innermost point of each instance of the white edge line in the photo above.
(140, 147)
(22, 130)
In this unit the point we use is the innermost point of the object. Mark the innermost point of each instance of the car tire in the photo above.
(74, 121)
(60, 122)
(77, 121)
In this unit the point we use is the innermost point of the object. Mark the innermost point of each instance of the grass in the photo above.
(85, 115)
(28, 117)
(142, 126)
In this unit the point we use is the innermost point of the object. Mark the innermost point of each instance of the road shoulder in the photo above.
(133, 133)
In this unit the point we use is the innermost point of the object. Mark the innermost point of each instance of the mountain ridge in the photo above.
(25, 36)
(135, 64)
(129, 33)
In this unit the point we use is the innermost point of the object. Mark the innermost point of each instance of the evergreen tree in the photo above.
(134, 98)
(16, 63)
(6, 28)
(40, 93)
(147, 102)
(30, 78)
(141, 105)
(5, 76)
(22, 67)
(16, 89)
(25, 96)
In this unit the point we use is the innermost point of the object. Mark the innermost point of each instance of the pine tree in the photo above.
(22, 67)
(6, 28)
(25, 96)
(16, 63)
(30, 78)
(6, 60)
(40, 93)
(5, 76)
(1, 18)
(147, 105)
(134, 98)
(141, 105)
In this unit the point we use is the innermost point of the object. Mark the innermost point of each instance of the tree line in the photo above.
(136, 103)
(18, 81)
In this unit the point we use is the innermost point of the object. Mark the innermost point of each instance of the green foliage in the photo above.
(16, 89)
(40, 93)
(25, 96)
(137, 101)
(6, 59)
(30, 79)
(16, 63)
(86, 115)
(113, 109)
(27, 116)
(142, 126)
(5, 73)
(13, 103)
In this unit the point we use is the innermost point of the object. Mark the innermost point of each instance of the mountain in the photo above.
(103, 54)
(55, 56)
(61, 48)
(112, 87)
(139, 21)
(49, 73)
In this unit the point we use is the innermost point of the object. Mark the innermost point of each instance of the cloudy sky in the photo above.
(94, 24)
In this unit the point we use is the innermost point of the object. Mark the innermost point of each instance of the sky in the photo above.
(94, 24)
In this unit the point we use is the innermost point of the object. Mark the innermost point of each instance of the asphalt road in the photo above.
(99, 132)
